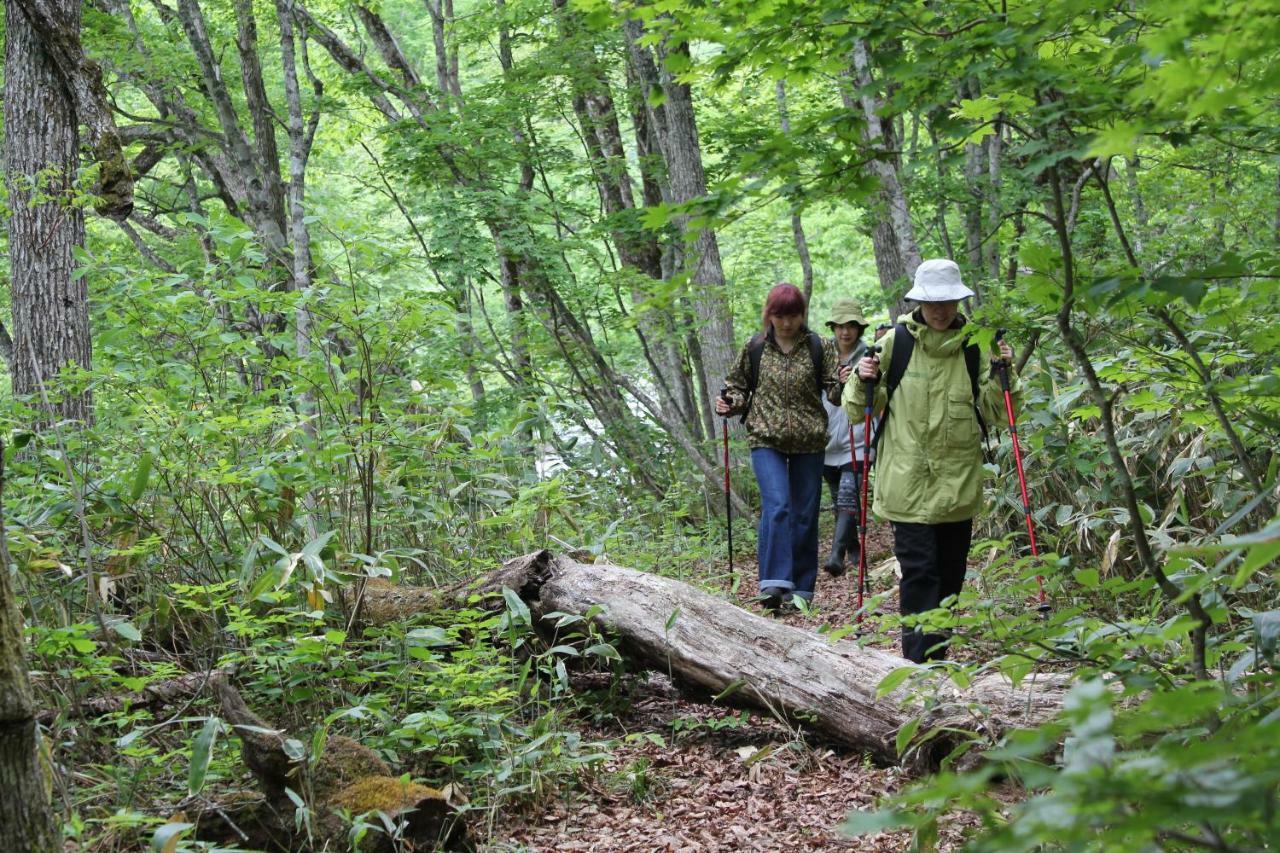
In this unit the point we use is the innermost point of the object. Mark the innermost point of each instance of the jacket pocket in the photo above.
(962, 422)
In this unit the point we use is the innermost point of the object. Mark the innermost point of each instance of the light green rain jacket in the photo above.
(929, 465)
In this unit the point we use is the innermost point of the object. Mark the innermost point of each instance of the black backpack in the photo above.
(755, 351)
(904, 343)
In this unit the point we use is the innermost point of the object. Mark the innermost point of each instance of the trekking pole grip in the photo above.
(869, 385)
(1002, 366)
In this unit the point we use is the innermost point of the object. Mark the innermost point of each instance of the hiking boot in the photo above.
(772, 600)
(843, 541)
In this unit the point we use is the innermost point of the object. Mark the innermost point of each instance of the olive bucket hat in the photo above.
(846, 311)
(938, 280)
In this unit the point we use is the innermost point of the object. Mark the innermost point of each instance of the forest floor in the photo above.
(686, 776)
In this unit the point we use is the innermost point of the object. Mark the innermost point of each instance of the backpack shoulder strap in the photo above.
(816, 354)
(972, 363)
(755, 351)
(904, 343)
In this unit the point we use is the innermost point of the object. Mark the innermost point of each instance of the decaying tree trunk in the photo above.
(152, 696)
(710, 647)
(345, 777)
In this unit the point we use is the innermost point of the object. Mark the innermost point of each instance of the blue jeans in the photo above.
(787, 543)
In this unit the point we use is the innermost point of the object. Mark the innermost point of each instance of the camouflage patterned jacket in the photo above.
(786, 413)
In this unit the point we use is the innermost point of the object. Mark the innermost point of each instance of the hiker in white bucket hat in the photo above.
(934, 408)
(938, 280)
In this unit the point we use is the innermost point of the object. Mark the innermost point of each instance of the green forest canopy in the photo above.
(407, 289)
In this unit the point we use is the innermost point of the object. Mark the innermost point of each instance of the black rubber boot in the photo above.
(843, 541)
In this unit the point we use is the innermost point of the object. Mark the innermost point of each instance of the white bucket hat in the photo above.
(938, 280)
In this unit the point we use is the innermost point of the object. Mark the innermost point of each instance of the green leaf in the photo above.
(1266, 631)
(141, 477)
(732, 687)
(516, 606)
(201, 754)
(1087, 578)
(168, 835)
(905, 734)
(315, 546)
(126, 630)
(266, 581)
(893, 680)
(431, 636)
(1256, 557)
(273, 545)
(604, 650)
(1190, 289)
(294, 749)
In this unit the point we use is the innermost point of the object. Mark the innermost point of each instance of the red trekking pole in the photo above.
(728, 504)
(1002, 368)
(869, 388)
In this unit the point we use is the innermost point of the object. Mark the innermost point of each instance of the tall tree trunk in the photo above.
(27, 819)
(301, 135)
(677, 134)
(653, 192)
(975, 168)
(57, 27)
(940, 214)
(894, 238)
(50, 305)
(797, 226)
(1133, 165)
(638, 248)
(991, 248)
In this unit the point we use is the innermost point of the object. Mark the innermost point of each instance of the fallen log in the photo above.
(153, 696)
(710, 647)
(346, 778)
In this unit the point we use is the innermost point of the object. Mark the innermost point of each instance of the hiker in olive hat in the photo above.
(934, 407)
(842, 475)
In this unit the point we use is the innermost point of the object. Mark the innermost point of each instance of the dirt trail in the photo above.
(714, 781)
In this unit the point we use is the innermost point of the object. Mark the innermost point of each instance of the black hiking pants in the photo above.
(932, 558)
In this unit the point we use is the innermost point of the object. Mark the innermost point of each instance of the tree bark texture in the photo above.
(710, 647)
(301, 135)
(345, 777)
(894, 233)
(677, 135)
(50, 306)
(27, 821)
(248, 173)
(991, 249)
(974, 167)
(638, 248)
(57, 25)
(155, 695)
